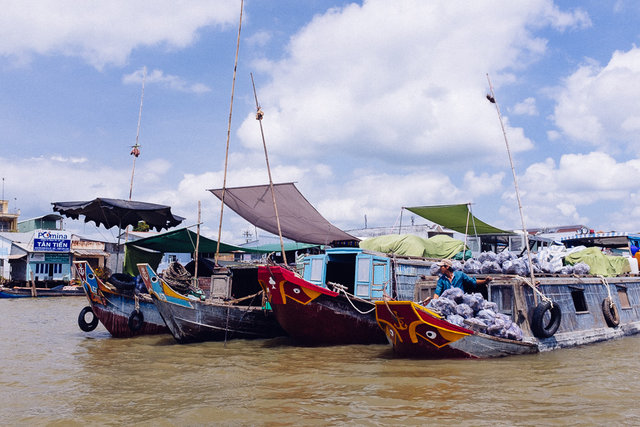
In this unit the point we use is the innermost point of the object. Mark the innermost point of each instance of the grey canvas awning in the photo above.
(299, 220)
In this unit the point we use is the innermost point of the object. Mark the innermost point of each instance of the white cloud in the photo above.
(405, 77)
(167, 80)
(104, 33)
(555, 193)
(599, 105)
(527, 107)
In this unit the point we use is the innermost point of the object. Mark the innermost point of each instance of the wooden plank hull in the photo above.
(26, 292)
(191, 320)
(113, 309)
(415, 331)
(315, 315)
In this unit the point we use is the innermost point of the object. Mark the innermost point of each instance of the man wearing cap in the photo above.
(454, 279)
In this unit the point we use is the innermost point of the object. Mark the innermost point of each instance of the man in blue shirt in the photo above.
(454, 279)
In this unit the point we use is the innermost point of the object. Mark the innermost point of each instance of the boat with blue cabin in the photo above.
(342, 296)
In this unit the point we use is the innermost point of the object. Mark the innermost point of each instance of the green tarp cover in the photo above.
(439, 246)
(457, 218)
(183, 240)
(134, 256)
(599, 263)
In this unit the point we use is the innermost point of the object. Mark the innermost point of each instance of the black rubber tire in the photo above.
(123, 281)
(610, 311)
(539, 326)
(136, 319)
(84, 325)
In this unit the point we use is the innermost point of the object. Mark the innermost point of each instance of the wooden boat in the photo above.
(123, 313)
(563, 311)
(313, 314)
(235, 311)
(333, 302)
(29, 292)
(416, 331)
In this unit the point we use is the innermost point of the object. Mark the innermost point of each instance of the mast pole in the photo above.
(259, 116)
(135, 152)
(492, 99)
(226, 154)
(195, 275)
(136, 148)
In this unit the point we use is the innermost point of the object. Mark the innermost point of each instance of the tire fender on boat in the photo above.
(542, 328)
(610, 311)
(82, 322)
(136, 319)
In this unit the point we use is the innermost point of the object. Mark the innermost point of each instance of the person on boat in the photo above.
(455, 279)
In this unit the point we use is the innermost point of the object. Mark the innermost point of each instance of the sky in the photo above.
(369, 106)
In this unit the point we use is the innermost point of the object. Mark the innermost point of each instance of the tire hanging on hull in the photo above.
(610, 311)
(542, 328)
(136, 319)
(82, 322)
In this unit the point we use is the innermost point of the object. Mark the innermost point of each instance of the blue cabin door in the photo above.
(314, 269)
(372, 277)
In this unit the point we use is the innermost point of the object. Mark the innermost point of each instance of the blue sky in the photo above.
(369, 106)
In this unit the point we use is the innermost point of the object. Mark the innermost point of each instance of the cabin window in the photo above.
(364, 266)
(624, 298)
(316, 269)
(503, 297)
(579, 302)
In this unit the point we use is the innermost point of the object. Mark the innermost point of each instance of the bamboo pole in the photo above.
(195, 275)
(135, 152)
(492, 99)
(259, 116)
(137, 146)
(226, 154)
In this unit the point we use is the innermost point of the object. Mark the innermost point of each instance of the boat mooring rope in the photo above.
(606, 284)
(536, 290)
(341, 288)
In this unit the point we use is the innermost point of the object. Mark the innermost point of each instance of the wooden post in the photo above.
(34, 293)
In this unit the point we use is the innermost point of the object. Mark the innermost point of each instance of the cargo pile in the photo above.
(474, 312)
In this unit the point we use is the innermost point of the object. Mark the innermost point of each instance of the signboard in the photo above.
(51, 241)
(57, 258)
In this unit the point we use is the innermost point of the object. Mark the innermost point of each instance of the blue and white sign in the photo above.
(51, 241)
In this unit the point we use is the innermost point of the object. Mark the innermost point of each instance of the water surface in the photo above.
(52, 373)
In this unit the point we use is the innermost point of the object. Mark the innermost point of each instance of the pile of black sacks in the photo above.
(472, 311)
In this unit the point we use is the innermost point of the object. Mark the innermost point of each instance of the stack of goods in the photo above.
(474, 312)
(547, 260)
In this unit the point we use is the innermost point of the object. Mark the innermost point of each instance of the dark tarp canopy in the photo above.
(120, 213)
(457, 218)
(299, 220)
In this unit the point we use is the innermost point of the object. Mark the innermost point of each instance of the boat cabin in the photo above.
(361, 273)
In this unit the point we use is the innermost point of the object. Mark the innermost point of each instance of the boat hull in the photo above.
(314, 315)
(417, 332)
(191, 320)
(26, 292)
(113, 309)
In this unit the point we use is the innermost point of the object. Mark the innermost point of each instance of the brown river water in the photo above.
(52, 373)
